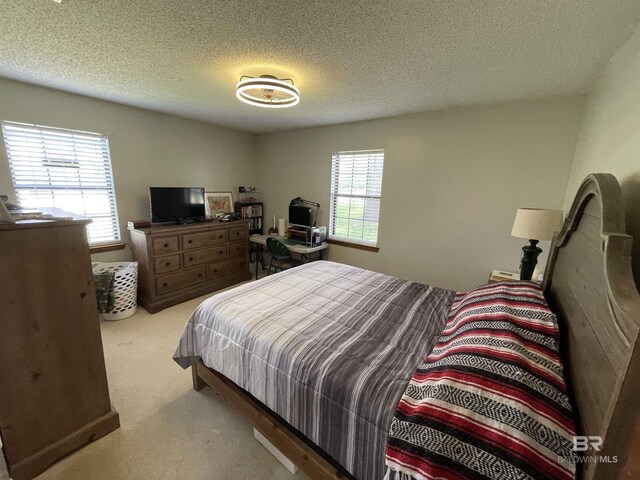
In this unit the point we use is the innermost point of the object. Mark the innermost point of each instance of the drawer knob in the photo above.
(190, 241)
(168, 264)
(199, 274)
(219, 236)
(165, 284)
(166, 245)
(215, 270)
(221, 252)
(191, 259)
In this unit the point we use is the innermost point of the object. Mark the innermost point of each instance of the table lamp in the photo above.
(535, 224)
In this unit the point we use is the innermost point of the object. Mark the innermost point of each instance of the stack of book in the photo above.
(502, 276)
(135, 224)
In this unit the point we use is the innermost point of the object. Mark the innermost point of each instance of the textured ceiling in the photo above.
(351, 59)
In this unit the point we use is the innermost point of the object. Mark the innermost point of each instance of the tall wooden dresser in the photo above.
(54, 396)
(179, 262)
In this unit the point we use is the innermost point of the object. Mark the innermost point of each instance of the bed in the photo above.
(324, 337)
(331, 328)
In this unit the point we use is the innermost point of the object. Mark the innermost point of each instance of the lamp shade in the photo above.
(537, 223)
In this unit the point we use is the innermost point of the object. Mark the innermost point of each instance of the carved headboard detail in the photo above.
(589, 285)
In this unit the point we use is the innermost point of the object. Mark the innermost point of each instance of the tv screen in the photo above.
(300, 216)
(176, 204)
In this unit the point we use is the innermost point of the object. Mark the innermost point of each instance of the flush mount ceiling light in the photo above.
(267, 91)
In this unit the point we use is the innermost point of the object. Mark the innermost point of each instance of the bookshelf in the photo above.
(253, 212)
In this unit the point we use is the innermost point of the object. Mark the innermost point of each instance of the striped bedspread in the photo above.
(490, 402)
(328, 347)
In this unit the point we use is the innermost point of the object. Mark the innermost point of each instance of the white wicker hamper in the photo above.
(125, 287)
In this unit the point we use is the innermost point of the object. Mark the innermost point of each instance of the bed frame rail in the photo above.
(296, 450)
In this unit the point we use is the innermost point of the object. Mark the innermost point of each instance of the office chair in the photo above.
(281, 258)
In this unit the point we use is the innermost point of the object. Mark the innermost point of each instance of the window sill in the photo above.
(107, 247)
(358, 246)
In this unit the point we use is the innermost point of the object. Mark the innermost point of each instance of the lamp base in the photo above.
(529, 259)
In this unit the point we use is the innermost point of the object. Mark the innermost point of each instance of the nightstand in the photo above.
(503, 276)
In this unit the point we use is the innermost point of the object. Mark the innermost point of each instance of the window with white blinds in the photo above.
(64, 169)
(356, 188)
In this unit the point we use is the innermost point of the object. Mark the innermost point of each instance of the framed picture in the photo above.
(217, 203)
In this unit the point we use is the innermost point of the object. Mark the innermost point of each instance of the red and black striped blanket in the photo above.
(490, 401)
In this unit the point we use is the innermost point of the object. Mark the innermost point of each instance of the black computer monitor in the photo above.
(300, 216)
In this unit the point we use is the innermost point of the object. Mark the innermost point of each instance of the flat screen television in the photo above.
(300, 216)
(176, 204)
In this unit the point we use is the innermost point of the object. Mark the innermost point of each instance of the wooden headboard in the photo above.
(589, 285)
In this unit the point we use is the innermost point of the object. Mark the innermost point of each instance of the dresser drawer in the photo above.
(165, 245)
(227, 267)
(176, 281)
(204, 239)
(167, 264)
(204, 256)
(238, 233)
(237, 249)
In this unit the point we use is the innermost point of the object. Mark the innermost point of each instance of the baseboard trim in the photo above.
(37, 463)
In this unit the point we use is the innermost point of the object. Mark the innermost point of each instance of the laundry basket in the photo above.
(125, 287)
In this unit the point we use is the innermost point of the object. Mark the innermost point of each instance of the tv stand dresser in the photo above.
(180, 262)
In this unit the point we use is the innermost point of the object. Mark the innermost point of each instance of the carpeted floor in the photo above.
(168, 430)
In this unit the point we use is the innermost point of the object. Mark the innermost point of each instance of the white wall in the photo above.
(452, 183)
(147, 148)
(453, 179)
(609, 138)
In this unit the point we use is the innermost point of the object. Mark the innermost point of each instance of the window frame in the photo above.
(353, 242)
(69, 150)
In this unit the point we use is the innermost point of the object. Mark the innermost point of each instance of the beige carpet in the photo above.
(168, 430)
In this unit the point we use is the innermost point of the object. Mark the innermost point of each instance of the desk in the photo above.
(296, 247)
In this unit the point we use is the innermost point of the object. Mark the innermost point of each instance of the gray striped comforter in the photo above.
(329, 347)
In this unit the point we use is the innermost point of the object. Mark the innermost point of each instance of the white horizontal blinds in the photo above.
(64, 169)
(356, 188)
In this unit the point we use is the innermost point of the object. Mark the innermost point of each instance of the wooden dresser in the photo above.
(54, 396)
(180, 262)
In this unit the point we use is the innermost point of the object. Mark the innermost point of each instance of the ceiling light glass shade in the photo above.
(267, 91)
